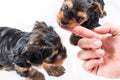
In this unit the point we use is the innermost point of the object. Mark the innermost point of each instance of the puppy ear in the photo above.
(40, 25)
(98, 6)
(42, 45)
(36, 55)
(32, 47)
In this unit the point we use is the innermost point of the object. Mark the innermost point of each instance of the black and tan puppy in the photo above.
(80, 12)
(21, 51)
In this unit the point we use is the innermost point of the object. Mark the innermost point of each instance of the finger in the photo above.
(108, 28)
(84, 32)
(92, 65)
(91, 54)
(89, 43)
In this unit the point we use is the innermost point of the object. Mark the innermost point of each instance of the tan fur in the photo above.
(98, 6)
(55, 71)
(69, 4)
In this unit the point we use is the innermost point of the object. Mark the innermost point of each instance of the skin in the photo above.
(100, 49)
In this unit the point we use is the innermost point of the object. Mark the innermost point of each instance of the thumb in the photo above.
(108, 28)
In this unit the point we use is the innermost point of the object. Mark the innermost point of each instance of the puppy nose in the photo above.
(64, 22)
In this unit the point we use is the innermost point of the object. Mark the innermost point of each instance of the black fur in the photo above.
(92, 11)
(21, 50)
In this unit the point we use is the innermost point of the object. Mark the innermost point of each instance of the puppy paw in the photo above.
(36, 76)
(6, 68)
(55, 71)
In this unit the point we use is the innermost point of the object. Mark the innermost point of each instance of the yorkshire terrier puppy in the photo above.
(85, 13)
(21, 51)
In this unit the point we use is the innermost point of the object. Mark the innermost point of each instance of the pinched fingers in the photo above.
(88, 43)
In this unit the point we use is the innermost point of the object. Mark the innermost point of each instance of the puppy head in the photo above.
(77, 12)
(45, 47)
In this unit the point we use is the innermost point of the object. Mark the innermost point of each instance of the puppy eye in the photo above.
(80, 18)
(65, 7)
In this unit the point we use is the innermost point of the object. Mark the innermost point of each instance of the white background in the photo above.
(22, 14)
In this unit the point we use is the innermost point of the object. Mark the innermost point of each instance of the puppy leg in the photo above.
(29, 73)
(74, 39)
(55, 70)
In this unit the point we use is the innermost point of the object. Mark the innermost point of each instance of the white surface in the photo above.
(22, 14)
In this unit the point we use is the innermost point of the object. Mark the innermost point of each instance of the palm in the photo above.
(111, 64)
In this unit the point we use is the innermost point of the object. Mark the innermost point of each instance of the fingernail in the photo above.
(101, 60)
(97, 43)
(100, 51)
(97, 28)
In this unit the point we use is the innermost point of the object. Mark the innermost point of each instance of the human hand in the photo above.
(101, 51)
